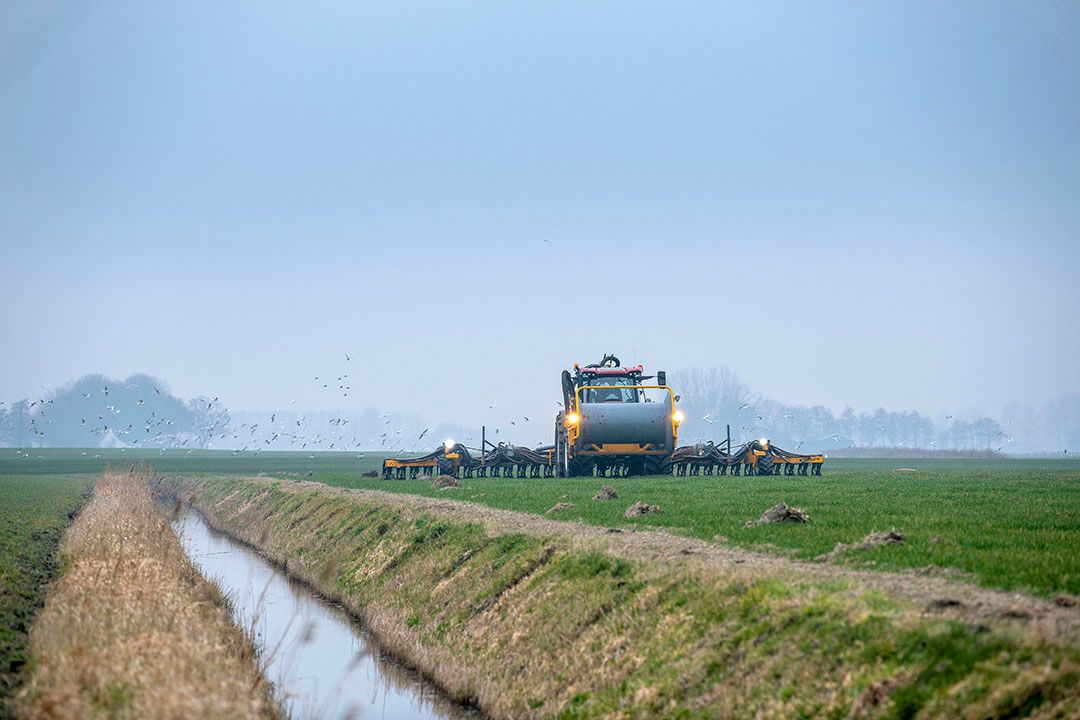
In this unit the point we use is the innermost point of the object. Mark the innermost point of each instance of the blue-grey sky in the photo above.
(848, 203)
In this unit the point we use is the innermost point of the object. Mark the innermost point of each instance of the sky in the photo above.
(874, 204)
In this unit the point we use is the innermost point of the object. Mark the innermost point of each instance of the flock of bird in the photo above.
(203, 426)
(207, 423)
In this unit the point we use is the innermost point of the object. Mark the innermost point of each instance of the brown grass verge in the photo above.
(132, 630)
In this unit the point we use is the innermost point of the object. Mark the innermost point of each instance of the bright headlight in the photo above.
(573, 418)
(448, 444)
(678, 416)
(763, 442)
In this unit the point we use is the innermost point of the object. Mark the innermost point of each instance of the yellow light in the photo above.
(678, 417)
(573, 418)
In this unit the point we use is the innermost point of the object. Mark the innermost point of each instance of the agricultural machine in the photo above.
(614, 422)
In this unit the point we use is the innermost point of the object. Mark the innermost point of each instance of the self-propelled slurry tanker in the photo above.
(615, 421)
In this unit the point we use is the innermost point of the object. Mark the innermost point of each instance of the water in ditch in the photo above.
(323, 664)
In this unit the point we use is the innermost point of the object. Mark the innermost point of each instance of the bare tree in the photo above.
(712, 397)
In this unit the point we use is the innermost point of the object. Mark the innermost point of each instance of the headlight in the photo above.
(448, 444)
(573, 418)
(763, 442)
(678, 416)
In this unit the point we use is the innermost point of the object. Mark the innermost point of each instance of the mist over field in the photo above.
(140, 412)
(354, 223)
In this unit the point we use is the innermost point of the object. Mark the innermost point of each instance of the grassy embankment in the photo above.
(542, 625)
(33, 514)
(131, 629)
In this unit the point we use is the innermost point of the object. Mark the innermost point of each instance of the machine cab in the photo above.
(614, 388)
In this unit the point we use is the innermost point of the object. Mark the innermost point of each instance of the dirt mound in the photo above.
(780, 513)
(606, 492)
(369, 473)
(641, 508)
(873, 540)
(559, 506)
(445, 482)
(876, 695)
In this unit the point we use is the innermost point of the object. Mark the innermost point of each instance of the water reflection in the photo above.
(322, 662)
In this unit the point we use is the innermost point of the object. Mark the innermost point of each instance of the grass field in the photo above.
(1007, 524)
(55, 461)
(34, 511)
(1012, 524)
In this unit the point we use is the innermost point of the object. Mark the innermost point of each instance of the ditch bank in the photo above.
(527, 617)
(132, 630)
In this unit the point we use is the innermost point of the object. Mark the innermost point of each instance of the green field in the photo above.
(1008, 524)
(1013, 524)
(54, 461)
(34, 511)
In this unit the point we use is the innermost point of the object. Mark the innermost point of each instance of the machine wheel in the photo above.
(567, 391)
(765, 465)
(579, 467)
(657, 465)
(446, 466)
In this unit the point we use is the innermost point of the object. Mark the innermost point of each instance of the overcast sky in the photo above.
(847, 203)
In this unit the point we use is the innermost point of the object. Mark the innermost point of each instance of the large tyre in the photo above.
(765, 465)
(567, 391)
(446, 466)
(657, 465)
(580, 467)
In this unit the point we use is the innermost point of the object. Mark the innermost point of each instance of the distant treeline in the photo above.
(714, 397)
(141, 412)
(96, 411)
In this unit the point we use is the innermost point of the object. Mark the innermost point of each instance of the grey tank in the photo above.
(618, 422)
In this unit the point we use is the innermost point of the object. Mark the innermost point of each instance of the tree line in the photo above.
(715, 397)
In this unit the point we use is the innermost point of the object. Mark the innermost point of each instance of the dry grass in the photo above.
(131, 630)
